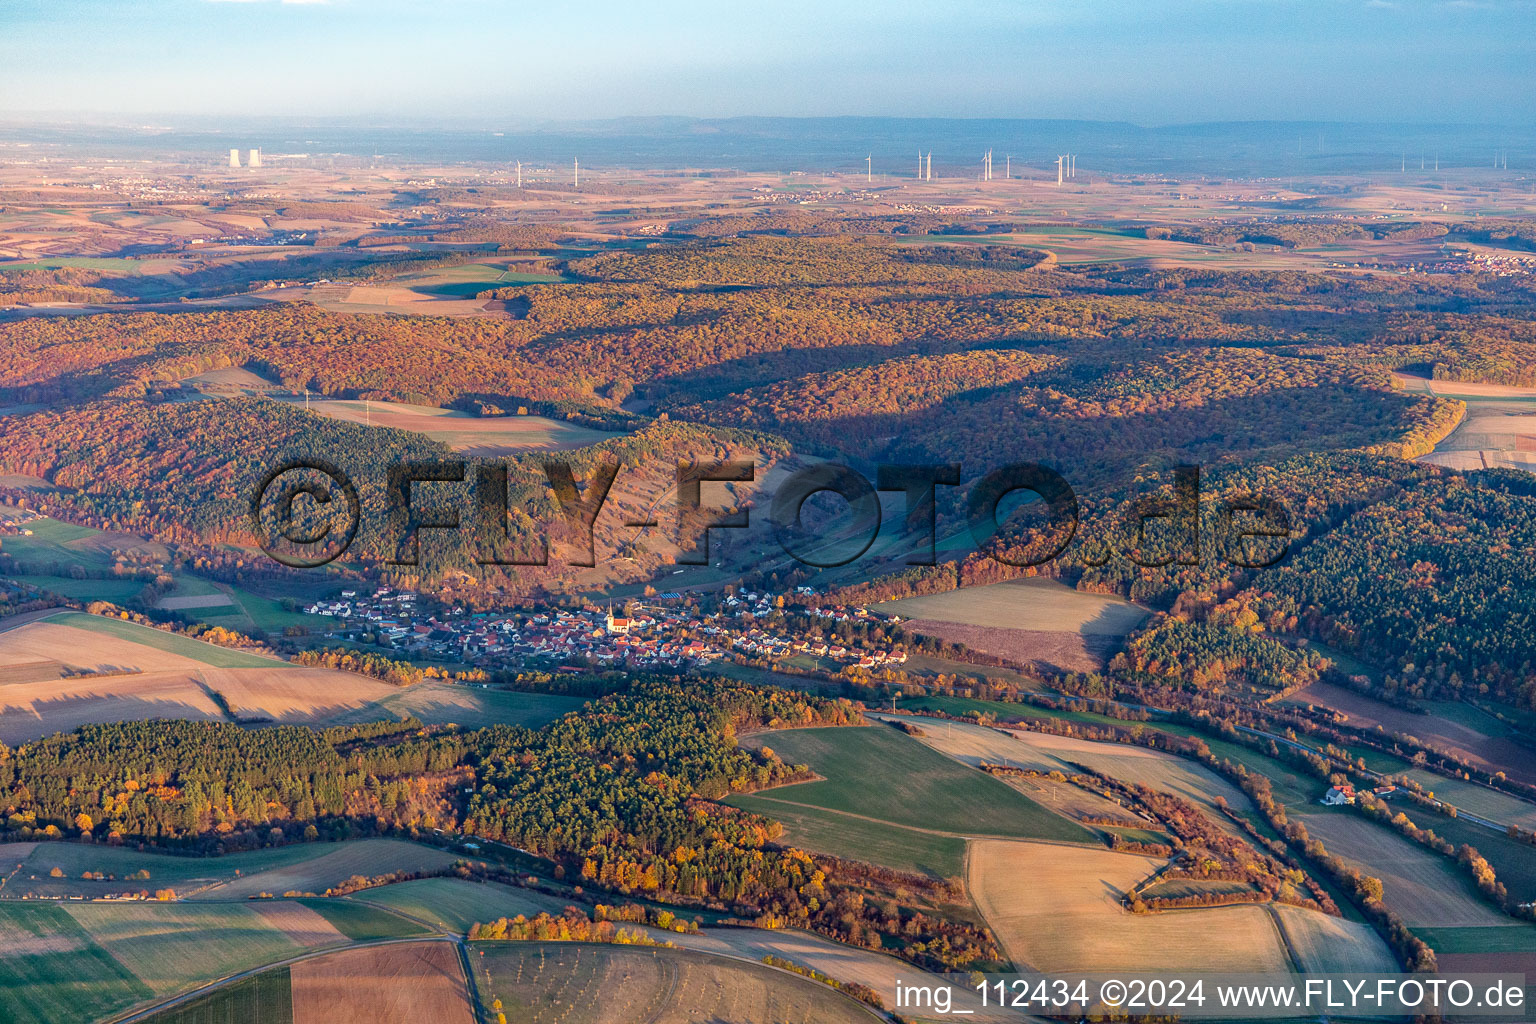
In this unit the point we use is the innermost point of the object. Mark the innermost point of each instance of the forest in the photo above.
(783, 335)
(621, 795)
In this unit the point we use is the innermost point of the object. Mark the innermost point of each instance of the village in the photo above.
(647, 636)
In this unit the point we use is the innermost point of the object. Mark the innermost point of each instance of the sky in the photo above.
(514, 61)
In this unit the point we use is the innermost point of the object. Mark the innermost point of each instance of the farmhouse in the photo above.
(1338, 796)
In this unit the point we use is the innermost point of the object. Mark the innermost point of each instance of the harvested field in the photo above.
(360, 922)
(32, 710)
(34, 671)
(1024, 604)
(301, 924)
(1460, 389)
(153, 674)
(289, 695)
(845, 963)
(22, 481)
(110, 635)
(1493, 433)
(294, 695)
(419, 981)
(482, 436)
(1323, 944)
(972, 744)
(331, 865)
(106, 543)
(1073, 801)
(1480, 739)
(591, 984)
(62, 637)
(194, 601)
(1424, 888)
(232, 380)
(1055, 913)
(879, 774)
(12, 857)
(171, 947)
(454, 904)
(1062, 650)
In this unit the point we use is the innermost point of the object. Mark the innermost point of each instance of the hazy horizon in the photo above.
(1179, 62)
(825, 144)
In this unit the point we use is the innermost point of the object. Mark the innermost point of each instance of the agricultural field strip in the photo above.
(372, 857)
(1427, 890)
(1060, 915)
(907, 828)
(144, 1013)
(847, 963)
(408, 982)
(171, 643)
(888, 776)
(753, 993)
(745, 945)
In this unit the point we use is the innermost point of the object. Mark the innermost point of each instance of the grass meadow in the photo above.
(878, 773)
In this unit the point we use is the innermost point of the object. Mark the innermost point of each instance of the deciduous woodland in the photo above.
(621, 795)
(1371, 642)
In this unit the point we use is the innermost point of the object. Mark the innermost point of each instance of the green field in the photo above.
(171, 947)
(438, 703)
(1513, 862)
(1480, 800)
(49, 543)
(467, 280)
(878, 773)
(851, 838)
(250, 612)
(56, 545)
(184, 874)
(1136, 835)
(361, 922)
(116, 591)
(1180, 887)
(120, 264)
(160, 640)
(453, 904)
(266, 998)
(1516, 938)
(51, 970)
